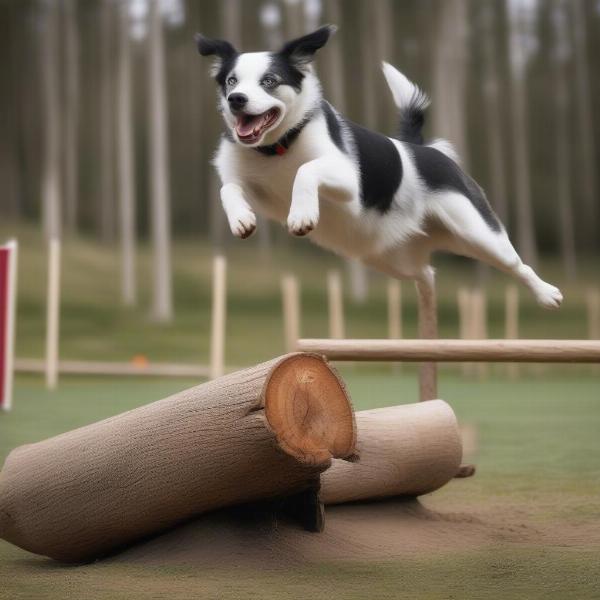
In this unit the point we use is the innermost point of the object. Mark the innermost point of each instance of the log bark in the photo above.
(406, 450)
(264, 432)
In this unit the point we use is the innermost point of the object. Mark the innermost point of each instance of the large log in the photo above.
(264, 432)
(406, 450)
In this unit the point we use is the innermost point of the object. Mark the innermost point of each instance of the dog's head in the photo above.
(264, 94)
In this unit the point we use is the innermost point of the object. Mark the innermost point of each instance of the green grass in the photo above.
(538, 448)
(94, 324)
(538, 442)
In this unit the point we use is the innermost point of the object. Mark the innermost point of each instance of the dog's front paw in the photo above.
(302, 223)
(243, 224)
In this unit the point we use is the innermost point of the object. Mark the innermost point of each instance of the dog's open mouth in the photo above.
(250, 128)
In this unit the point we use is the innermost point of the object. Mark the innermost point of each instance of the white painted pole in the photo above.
(219, 314)
(53, 313)
(11, 299)
(291, 311)
(336, 305)
(511, 324)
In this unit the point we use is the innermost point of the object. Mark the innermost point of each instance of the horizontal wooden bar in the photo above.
(547, 351)
(77, 367)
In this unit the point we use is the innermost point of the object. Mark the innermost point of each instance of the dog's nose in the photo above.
(237, 101)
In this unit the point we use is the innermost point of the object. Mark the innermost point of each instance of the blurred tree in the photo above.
(560, 61)
(450, 76)
(160, 221)
(294, 18)
(585, 127)
(71, 114)
(491, 109)
(126, 162)
(522, 17)
(107, 206)
(51, 184)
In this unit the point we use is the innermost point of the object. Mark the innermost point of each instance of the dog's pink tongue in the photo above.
(245, 126)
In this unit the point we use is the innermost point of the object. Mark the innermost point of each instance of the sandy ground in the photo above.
(385, 530)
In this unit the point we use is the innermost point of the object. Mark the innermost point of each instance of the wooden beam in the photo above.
(555, 351)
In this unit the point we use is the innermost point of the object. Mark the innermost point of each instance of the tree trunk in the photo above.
(563, 151)
(108, 205)
(71, 112)
(493, 115)
(264, 432)
(449, 78)
(51, 170)
(585, 126)
(126, 164)
(405, 450)
(162, 292)
(518, 54)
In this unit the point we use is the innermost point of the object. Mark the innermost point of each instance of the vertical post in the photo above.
(394, 302)
(593, 313)
(219, 314)
(479, 309)
(291, 311)
(427, 331)
(511, 324)
(336, 305)
(465, 319)
(8, 301)
(53, 313)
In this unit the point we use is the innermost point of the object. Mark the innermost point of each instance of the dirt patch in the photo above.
(365, 531)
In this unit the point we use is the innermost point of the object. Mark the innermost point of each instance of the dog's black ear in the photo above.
(302, 50)
(220, 48)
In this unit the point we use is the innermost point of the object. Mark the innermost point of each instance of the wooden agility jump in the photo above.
(448, 350)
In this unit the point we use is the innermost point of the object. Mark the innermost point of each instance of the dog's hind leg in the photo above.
(471, 236)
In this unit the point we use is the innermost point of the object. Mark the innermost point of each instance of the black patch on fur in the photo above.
(227, 54)
(440, 172)
(301, 50)
(380, 167)
(410, 129)
(286, 72)
(333, 125)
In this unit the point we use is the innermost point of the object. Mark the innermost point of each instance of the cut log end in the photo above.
(309, 410)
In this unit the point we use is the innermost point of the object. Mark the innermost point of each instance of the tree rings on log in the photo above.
(307, 406)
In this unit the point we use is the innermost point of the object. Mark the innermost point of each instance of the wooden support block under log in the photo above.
(264, 432)
(405, 450)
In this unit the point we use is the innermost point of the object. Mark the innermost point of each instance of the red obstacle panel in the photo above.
(7, 296)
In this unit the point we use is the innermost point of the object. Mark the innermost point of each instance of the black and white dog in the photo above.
(390, 202)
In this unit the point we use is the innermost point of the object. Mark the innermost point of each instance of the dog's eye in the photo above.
(269, 82)
(231, 81)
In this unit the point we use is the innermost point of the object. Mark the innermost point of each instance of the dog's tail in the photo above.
(412, 103)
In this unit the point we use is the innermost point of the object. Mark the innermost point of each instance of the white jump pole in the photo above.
(8, 303)
(53, 313)
(336, 305)
(511, 324)
(291, 311)
(219, 314)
